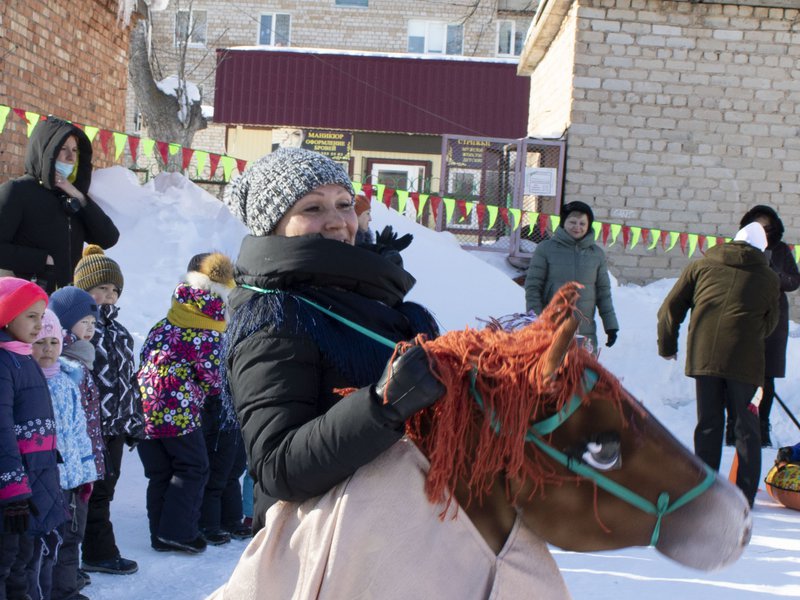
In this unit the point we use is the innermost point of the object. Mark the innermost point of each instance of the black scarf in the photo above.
(353, 282)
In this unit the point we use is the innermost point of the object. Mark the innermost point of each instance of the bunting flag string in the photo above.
(137, 146)
(485, 214)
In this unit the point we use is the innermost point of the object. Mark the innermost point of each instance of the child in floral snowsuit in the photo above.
(179, 368)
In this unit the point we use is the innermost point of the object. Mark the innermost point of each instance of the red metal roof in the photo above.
(370, 92)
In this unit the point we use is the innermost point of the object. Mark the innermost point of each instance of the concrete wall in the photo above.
(61, 57)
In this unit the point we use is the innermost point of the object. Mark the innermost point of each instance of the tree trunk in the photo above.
(160, 110)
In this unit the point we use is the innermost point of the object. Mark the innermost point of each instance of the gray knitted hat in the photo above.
(270, 186)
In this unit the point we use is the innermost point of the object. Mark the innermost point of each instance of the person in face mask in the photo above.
(46, 215)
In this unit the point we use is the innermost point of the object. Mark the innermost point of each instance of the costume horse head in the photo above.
(531, 423)
(533, 442)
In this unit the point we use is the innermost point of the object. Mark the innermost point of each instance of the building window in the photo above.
(509, 39)
(364, 3)
(432, 37)
(274, 30)
(191, 27)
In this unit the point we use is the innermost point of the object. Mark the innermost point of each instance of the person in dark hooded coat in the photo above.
(47, 215)
(780, 259)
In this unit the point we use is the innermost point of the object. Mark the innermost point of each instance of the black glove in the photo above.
(612, 337)
(16, 516)
(388, 245)
(407, 385)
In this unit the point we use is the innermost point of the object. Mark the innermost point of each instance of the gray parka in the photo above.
(562, 259)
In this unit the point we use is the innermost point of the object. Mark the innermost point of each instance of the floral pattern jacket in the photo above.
(180, 362)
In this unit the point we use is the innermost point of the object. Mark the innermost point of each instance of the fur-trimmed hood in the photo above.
(214, 274)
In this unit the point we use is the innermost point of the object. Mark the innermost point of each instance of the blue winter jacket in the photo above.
(28, 466)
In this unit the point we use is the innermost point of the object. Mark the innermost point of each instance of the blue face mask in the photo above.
(64, 169)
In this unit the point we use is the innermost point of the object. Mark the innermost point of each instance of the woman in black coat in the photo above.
(292, 341)
(782, 262)
(47, 215)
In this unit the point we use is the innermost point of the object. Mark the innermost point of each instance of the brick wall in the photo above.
(683, 116)
(61, 57)
(381, 27)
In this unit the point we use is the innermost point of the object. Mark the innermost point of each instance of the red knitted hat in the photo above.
(362, 203)
(16, 295)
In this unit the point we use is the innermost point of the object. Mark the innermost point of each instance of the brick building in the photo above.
(678, 115)
(492, 29)
(67, 58)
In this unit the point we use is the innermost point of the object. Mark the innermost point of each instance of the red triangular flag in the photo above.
(480, 210)
(606, 229)
(645, 233)
(163, 150)
(701, 239)
(213, 161)
(720, 240)
(78, 125)
(367, 189)
(241, 164)
(543, 221)
(105, 136)
(683, 238)
(133, 144)
(20, 113)
(462, 208)
(435, 202)
(415, 201)
(186, 154)
(387, 196)
(626, 236)
(503, 214)
(664, 236)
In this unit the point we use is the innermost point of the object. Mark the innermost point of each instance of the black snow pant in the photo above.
(712, 393)
(222, 500)
(65, 571)
(15, 554)
(98, 541)
(176, 470)
(40, 567)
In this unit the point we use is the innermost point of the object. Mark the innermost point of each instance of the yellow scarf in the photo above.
(190, 317)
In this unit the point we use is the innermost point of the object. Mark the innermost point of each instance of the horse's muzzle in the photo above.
(710, 532)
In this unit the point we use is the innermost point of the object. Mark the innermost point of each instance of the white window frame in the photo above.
(190, 42)
(512, 41)
(272, 42)
(430, 27)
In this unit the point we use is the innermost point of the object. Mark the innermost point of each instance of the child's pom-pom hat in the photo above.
(95, 268)
(71, 304)
(16, 295)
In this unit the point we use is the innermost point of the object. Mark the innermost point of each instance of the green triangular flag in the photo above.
(356, 186)
(147, 146)
(533, 219)
(492, 210)
(33, 119)
(402, 199)
(711, 241)
(381, 187)
(598, 229)
(692, 243)
(637, 233)
(673, 237)
(423, 199)
(200, 157)
(228, 163)
(119, 143)
(91, 132)
(449, 205)
(554, 221)
(517, 214)
(615, 229)
(655, 234)
(4, 110)
(174, 149)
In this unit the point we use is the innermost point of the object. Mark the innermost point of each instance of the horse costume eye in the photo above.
(602, 452)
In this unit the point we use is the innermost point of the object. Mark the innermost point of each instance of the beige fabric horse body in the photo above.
(376, 536)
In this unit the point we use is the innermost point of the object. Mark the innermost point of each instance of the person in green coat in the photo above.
(572, 255)
(733, 295)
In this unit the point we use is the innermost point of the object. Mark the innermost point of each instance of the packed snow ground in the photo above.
(169, 219)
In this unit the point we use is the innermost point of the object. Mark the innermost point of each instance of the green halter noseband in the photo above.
(534, 435)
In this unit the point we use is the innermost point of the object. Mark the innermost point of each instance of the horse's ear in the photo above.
(560, 345)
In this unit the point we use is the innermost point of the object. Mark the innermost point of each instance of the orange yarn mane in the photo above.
(459, 438)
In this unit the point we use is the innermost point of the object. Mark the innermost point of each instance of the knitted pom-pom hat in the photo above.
(270, 186)
(215, 265)
(17, 295)
(71, 304)
(95, 268)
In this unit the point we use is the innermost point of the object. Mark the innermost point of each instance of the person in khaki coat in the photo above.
(733, 295)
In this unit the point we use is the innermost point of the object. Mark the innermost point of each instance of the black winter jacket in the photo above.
(33, 221)
(284, 366)
(782, 262)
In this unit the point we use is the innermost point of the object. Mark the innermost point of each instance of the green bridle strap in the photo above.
(360, 328)
(662, 506)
